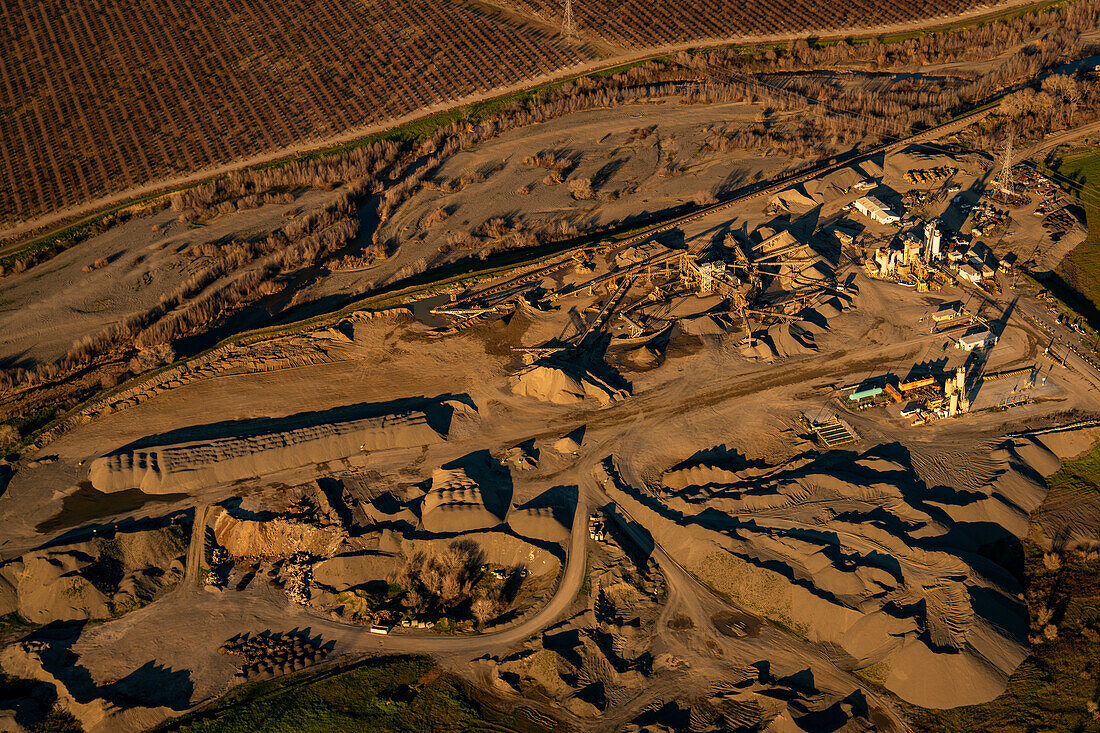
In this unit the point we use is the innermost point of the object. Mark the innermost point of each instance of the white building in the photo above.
(979, 340)
(871, 207)
(932, 241)
(968, 273)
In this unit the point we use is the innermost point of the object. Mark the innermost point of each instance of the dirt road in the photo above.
(196, 550)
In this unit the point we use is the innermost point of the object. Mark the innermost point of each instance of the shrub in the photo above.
(580, 188)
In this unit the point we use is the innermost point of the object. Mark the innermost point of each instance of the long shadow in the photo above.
(333, 490)
(29, 700)
(560, 500)
(721, 457)
(87, 503)
(837, 716)
(606, 171)
(673, 715)
(6, 472)
(151, 685)
(88, 531)
(438, 415)
(494, 480)
(1056, 284)
(16, 361)
(633, 538)
(988, 547)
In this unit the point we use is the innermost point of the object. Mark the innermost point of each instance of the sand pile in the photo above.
(498, 548)
(277, 537)
(788, 339)
(571, 443)
(595, 661)
(796, 200)
(523, 457)
(757, 349)
(95, 579)
(547, 517)
(541, 523)
(908, 592)
(53, 665)
(201, 464)
(1069, 519)
(455, 504)
(637, 652)
(703, 325)
(561, 386)
(698, 475)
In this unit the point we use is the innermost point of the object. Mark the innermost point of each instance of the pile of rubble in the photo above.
(267, 655)
(930, 175)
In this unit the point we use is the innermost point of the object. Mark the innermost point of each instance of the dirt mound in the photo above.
(547, 517)
(596, 660)
(907, 593)
(343, 572)
(52, 665)
(201, 464)
(95, 579)
(701, 475)
(455, 504)
(790, 340)
(539, 523)
(523, 457)
(757, 349)
(1037, 455)
(276, 537)
(635, 651)
(560, 386)
(1069, 518)
(570, 443)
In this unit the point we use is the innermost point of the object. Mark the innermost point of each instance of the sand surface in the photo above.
(635, 517)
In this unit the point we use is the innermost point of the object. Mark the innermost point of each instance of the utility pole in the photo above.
(568, 25)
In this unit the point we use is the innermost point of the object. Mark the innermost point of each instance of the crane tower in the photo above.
(568, 25)
(1006, 166)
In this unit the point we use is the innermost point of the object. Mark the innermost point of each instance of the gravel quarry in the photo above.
(652, 482)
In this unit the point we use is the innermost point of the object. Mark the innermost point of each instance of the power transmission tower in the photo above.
(1006, 167)
(568, 25)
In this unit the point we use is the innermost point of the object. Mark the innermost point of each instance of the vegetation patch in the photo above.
(379, 694)
(1081, 268)
(1057, 688)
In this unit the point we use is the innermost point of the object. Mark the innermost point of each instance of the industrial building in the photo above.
(979, 340)
(970, 274)
(947, 312)
(871, 207)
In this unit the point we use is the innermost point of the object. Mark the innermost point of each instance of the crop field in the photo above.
(102, 95)
(1081, 267)
(642, 23)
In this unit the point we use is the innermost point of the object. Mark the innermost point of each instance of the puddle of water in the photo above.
(87, 504)
(422, 310)
(736, 624)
